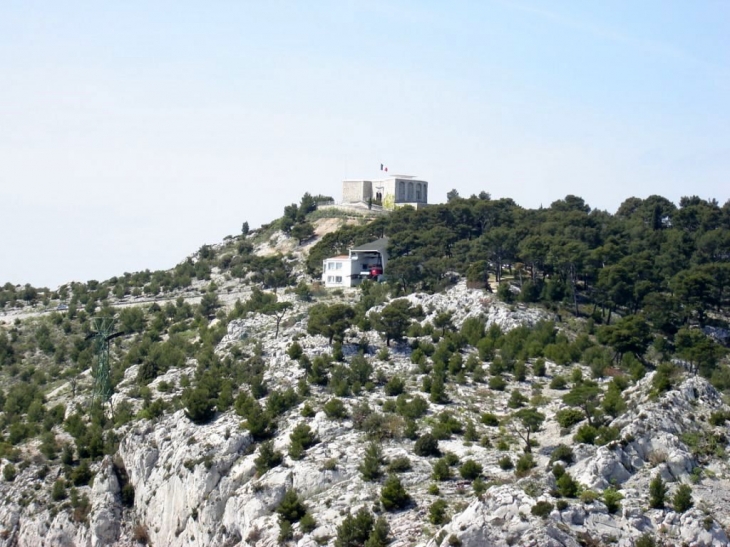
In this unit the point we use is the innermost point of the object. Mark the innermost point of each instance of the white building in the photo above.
(390, 192)
(362, 262)
(337, 271)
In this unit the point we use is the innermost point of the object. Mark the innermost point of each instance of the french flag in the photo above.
(383, 168)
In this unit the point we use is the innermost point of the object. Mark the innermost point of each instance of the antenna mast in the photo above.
(104, 332)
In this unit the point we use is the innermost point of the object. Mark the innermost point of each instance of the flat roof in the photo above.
(401, 177)
(387, 177)
(339, 257)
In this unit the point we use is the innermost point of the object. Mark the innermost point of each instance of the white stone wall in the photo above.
(387, 185)
(354, 191)
(394, 191)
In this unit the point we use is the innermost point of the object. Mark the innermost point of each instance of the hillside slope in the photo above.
(253, 407)
(197, 484)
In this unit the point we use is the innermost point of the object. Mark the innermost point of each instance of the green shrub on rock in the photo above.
(568, 417)
(268, 458)
(612, 498)
(562, 453)
(335, 409)
(9, 472)
(437, 512)
(470, 470)
(426, 445)
(542, 509)
(682, 499)
(393, 496)
(657, 492)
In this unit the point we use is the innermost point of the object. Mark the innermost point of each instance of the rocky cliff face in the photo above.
(196, 485)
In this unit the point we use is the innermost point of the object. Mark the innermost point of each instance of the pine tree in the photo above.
(268, 458)
(441, 470)
(470, 433)
(657, 492)
(438, 391)
(437, 512)
(370, 466)
(355, 529)
(301, 438)
(682, 499)
(291, 508)
(427, 445)
(379, 535)
(393, 496)
(59, 490)
(567, 487)
(516, 400)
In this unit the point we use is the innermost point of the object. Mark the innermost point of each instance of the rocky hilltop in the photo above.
(247, 415)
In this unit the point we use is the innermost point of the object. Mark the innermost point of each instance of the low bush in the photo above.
(612, 498)
(470, 470)
(393, 496)
(558, 382)
(441, 470)
(335, 409)
(682, 499)
(401, 464)
(524, 464)
(586, 434)
(588, 496)
(437, 513)
(542, 509)
(395, 386)
(426, 445)
(490, 419)
(497, 383)
(268, 458)
(9, 472)
(568, 417)
(505, 463)
(567, 487)
(562, 453)
(291, 508)
(657, 492)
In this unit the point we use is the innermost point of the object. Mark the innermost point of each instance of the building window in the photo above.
(338, 279)
(418, 192)
(402, 191)
(410, 191)
(339, 266)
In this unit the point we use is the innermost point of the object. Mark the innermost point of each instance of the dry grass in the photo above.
(656, 457)
(140, 534)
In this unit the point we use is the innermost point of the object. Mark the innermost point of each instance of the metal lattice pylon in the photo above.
(104, 332)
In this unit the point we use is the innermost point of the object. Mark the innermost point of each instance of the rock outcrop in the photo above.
(197, 485)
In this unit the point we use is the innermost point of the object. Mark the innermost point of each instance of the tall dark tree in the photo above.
(699, 350)
(393, 321)
(529, 421)
(584, 396)
(330, 321)
(302, 232)
(631, 334)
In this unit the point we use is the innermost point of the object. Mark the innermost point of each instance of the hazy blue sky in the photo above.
(133, 132)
